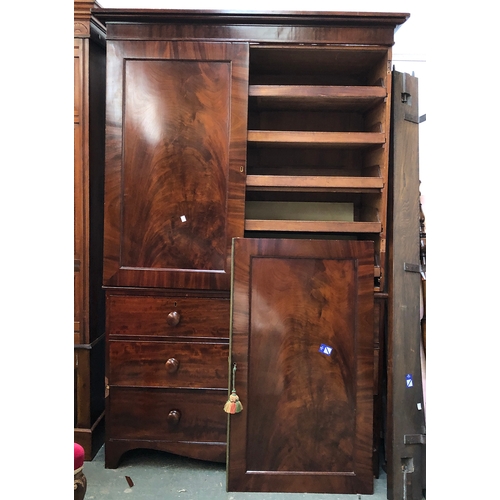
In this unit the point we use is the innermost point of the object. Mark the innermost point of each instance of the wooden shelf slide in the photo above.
(312, 183)
(312, 226)
(316, 139)
(311, 96)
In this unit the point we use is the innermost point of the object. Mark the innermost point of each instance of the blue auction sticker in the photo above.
(409, 380)
(325, 349)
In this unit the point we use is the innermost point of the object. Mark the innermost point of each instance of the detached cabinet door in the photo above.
(175, 157)
(302, 342)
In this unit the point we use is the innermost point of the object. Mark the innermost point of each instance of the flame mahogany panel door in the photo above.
(176, 150)
(302, 342)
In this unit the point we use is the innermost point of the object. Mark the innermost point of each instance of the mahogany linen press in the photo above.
(247, 241)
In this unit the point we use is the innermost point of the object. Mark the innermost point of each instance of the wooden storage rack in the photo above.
(318, 131)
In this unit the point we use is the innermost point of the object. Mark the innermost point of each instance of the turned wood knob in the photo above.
(173, 417)
(172, 365)
(173, 318)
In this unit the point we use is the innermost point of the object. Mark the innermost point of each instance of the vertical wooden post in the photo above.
(405, 437)
(89, 91)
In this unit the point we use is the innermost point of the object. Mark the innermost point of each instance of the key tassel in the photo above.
(233, 404)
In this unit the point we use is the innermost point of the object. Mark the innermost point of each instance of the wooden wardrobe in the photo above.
(89, 339)
(246, 240)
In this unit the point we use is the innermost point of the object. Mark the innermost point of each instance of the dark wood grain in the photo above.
(168, 364)
(316, 66)
(146, 355)
(175, 157)
(175, 164)
(200, 432)
(176, 160)
(202, 418)
(289, 17)
(314, 97)
(309, 108)
(307, 423)
(284, 26)
(286, 331)
(210, 451)
(137, 315)
(379, 379)
(175, 183)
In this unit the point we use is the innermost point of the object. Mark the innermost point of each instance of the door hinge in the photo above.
(405, 95)
(414, 118)
(414, 439)
(411, 268)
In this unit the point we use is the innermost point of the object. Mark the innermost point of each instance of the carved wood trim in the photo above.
(84, 18)
(82, 28)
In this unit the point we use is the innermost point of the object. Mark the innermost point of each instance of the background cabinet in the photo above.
(89, 91)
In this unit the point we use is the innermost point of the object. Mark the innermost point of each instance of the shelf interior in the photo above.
(317, 156)
(315, 97)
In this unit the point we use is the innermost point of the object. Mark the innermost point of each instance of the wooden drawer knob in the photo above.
(173, 417)
(173, 318)
(172, 365)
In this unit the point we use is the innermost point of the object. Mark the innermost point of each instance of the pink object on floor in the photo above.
(79, 456)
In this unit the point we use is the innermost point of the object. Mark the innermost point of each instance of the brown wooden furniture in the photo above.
(225, 125)
(175, 190)
(89, 90)
(406, 433)
(303, 349)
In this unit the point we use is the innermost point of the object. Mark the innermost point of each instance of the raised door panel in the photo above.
(302, 342)
(175, 165)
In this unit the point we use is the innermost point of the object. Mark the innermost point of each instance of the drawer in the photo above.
(166, 415)
(167, 316)
(168, 364)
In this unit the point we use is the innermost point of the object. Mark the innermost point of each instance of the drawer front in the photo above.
(166, 415)
(168, 364)
(167, 316)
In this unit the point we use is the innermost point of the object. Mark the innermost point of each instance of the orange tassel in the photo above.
(233, 404)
